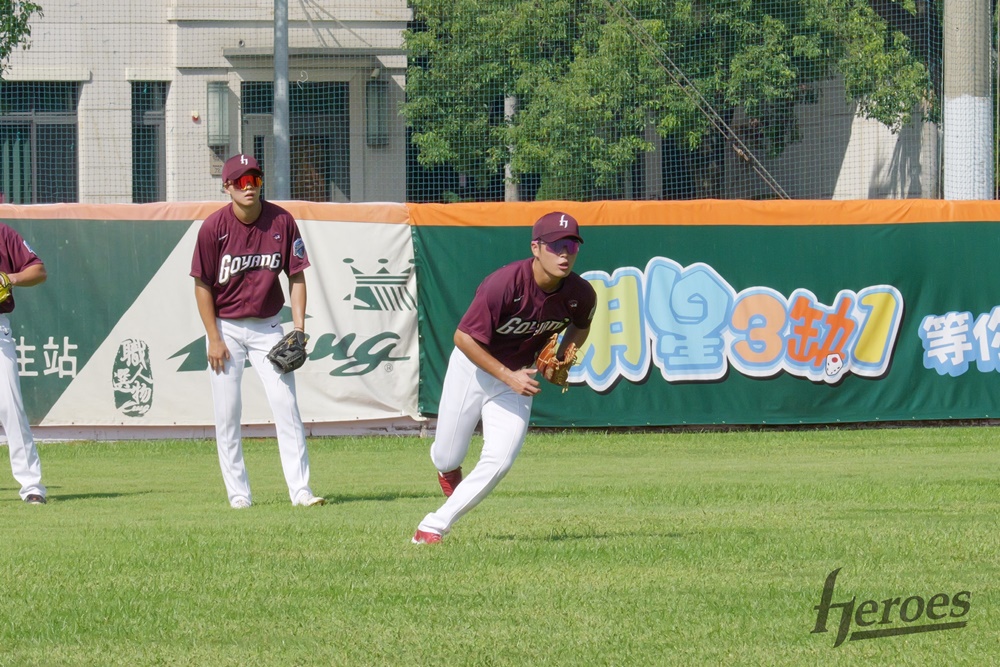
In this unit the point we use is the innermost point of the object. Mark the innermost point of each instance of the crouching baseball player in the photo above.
(491, 373)
(241, 249)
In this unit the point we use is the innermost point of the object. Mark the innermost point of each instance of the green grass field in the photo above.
(597, 549)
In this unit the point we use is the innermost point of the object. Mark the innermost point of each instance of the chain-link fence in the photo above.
(490, 100)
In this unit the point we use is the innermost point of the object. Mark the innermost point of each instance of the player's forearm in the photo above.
(206, 309)
(32, 275)
(573, 335)
(297, 296)
(480, 356)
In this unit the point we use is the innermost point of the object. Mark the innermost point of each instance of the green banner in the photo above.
(96, 269)
(746, 324)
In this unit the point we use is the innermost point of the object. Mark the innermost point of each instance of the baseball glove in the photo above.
(289, 353)
(5, 287)
(553, 369)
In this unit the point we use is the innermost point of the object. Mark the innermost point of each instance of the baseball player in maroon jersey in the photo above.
(23, 268)
(241, 249)
(491, 373)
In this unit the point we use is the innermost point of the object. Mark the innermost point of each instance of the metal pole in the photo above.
(968, 107)
(511, 190)
(280, 180)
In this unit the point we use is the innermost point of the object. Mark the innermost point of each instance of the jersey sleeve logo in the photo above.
(299, 248)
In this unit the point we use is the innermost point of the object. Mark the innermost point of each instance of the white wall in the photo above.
(841, 155)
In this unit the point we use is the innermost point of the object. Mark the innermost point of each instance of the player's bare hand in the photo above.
(218, 354)
(523, 382)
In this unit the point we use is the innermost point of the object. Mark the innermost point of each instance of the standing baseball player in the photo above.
(21, 267)
(491, 373)
(241, 249)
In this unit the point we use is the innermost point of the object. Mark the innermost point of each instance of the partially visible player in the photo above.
(20, 267)
(241, 249)
(491, 375)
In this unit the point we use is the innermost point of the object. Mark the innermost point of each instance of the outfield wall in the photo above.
(737, 312)
(113, 338)
(710, 312)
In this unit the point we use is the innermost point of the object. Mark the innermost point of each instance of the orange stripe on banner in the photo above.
(378, 212)
(710, 212)
(158, 211)
(523, 214)
(381, 212)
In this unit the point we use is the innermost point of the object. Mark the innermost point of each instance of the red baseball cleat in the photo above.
(426, 537)
(449, 480)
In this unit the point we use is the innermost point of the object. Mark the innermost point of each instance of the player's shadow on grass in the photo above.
(92, 496)
(388, 496)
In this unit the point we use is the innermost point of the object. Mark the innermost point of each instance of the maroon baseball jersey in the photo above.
(514, 318)
(15, 256)
(241, 263)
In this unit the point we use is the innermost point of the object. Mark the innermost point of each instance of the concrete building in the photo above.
(121, 101)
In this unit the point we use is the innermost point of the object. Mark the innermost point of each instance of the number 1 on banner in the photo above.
(884, 308)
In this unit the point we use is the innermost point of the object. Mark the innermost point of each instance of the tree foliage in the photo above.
(587, 88)
(14, 27)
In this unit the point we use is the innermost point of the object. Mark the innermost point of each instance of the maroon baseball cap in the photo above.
(238, 165)
(554, 226)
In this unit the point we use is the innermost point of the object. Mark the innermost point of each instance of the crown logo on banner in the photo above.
(381, 290)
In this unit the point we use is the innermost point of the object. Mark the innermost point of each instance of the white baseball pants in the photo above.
(468, 395)
(24, 461)
(253, 338)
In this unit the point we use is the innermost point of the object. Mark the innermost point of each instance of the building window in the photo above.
(319, 137)
(38, 142)
(217, 109)
(377, 112)
(149, 159)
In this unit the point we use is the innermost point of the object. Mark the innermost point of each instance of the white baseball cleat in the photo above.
(307, 499)
(240, 503)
